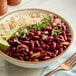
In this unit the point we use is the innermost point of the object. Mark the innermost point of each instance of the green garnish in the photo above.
(16, 34)
(46, 37)
(56, 32)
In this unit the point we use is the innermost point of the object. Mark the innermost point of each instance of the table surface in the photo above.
(66, 8)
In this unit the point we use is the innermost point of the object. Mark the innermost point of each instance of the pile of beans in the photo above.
(40, 45)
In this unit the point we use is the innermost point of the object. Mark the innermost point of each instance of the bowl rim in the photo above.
(39, 62)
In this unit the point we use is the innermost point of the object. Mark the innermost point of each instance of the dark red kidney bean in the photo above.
(55, 17)
(44, 54)
(11, 42)
(61, 50)
(31, 33)
(20, 54)
(30, 60)
(36, 37)
(20, 58)
(53, 45)
(64, 47)
(37, 43)
(21, 46)
(20, 50)
(48, 29)
(27, 50)
(46, 47)
(38, 50)
(38, 33)
(68, 34)
(26, 38)
(25, 42)
(50, 38)
(13, 50)
(41, 42)
(49, 43)
(49, 54)
(59, 45)
(26, 58)
(56, 52)
(43, 46)
(62, 40)
(53, 55)
(68, 38)
(30, 53)
(31, 45)
(25, 53)
(46, 57)
(65, 37)
(35, 60)
(63, 27)
(67, 31)
(61, 37)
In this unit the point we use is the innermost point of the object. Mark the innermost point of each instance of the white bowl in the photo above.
(27, 64)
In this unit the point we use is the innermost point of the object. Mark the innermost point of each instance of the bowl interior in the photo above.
(30, 11)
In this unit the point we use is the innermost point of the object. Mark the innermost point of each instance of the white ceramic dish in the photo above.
(27, 64)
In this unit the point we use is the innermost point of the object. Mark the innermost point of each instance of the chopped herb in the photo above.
(16, 40)
(46, 37)
(56, 32)
(35, 26)
(16, 34)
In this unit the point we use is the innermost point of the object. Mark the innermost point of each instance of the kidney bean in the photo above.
(30, 53)
(54, 24)
(26, 38)
(31, 33)
(37, 33)
(25, 42)
(20, 58)
(41, 42)
(38, 50)
(25, 53)
(68, 38)
(61, 37)
(48, 29)
(68, 34)
(49, 43)
(61, 50)
(56, 52)
(59, 45)
(13, 50)
(37, 43)
(26, 58)
(46, 58)
(31, 45)
(35, 60)
(65, 37)
(21, 46)
(52, 18)
(44, 54)
(43, 46)
(63, 27)
(30, 60)
(20, 50)
(46, 47)
(20, 54)
(64, 47)
(36, 37)
(53, 55)
(49, 54)
(50, 38)
(27, 50)
(53, 45)
(11, 42)
(55, 17)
